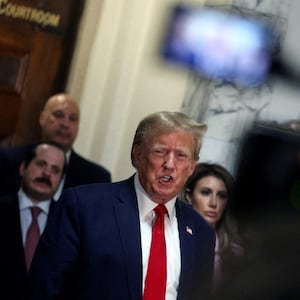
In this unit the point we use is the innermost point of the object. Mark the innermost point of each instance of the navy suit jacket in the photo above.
(80, 171)
(92, 248)
(13, 271)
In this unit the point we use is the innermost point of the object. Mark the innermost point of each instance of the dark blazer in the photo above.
(92, 248)
(80, 171)
(13, 274)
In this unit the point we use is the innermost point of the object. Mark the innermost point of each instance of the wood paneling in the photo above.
(36, 45)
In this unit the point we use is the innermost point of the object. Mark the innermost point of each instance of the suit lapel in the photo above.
(16, 227)
(69, 175)
(127, 217)
(52, 206)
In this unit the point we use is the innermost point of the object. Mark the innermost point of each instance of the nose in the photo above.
(47, 171)
(169, 161)
(65, 122)
(213, 201)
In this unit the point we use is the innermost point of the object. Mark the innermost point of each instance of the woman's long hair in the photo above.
(226, 227)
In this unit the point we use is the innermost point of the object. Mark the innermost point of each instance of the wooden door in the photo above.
(36, 44)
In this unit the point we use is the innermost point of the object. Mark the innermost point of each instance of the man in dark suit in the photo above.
(41, 172)
(59, 123)
(97, 245)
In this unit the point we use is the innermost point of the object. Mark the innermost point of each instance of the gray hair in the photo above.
(164, 122)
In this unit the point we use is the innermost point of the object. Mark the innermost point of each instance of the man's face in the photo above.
(164, 164)
(60, 121)
(40, 179)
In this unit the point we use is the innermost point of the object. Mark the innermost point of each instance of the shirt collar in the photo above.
(25, 202)
(146, 205)
(68, 155)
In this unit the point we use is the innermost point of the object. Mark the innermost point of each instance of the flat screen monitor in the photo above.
(219, 45)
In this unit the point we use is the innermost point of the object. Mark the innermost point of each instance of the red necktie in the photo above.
(32, 237)
(156, 277)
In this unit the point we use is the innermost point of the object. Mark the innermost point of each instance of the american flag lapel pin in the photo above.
(189, 230)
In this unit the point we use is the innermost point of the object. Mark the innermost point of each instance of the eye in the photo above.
(74, 118)
(223, 195)
(40, 163)
(182, 155)
(58, 114)
(159, 152)
(56, 170)
(205, 192)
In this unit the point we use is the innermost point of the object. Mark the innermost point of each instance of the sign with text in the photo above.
(45, 15)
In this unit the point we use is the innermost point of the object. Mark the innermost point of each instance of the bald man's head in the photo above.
(59, 120)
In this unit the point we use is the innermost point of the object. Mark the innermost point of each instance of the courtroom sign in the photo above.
(44, 15)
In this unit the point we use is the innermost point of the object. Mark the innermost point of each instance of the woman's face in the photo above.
(209, 198)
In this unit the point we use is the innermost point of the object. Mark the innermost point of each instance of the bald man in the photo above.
(59, 121)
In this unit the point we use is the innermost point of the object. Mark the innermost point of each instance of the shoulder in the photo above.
(187, 210)
(15, 153)
(78, 161)
(188, 215)
(237, 249)
(7, 199)
(7, 202)
(99, 192)
(94, 202)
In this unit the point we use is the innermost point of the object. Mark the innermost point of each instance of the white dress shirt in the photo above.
(147, 217)
(25, 213)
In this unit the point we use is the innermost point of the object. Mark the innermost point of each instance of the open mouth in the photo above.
(166, 178)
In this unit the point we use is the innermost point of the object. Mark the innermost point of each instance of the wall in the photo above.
(231, 110)
(118, 77)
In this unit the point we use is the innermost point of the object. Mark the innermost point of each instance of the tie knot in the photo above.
(160, 210)
(35, 211)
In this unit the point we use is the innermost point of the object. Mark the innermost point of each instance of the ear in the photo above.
(136, 155)
(193, 166)
(22, 169)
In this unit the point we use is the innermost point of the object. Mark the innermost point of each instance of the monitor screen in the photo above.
(219, 45)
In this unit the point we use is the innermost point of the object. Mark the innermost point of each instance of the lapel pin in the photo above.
(189, 230)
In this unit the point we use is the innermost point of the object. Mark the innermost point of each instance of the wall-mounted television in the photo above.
(218, 44)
